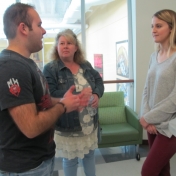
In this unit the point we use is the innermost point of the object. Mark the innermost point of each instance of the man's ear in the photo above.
(23, 29)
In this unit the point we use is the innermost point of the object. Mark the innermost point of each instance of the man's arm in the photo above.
(55, 100)
(32, 123)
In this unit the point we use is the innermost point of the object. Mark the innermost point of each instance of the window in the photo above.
(106, 25)
(3, 41)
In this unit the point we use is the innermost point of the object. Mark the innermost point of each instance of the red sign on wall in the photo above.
(98, 63)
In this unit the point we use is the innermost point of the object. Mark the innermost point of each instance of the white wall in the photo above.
(107, 25)
(143, 43)
(3, 44)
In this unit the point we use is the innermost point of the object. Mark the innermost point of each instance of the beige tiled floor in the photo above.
(122, 168)
(115, 162)
(119, 168)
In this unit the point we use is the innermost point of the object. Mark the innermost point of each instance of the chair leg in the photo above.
(137, 152)
(125, 149)
(137, 148)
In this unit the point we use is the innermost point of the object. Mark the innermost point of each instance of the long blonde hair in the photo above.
(169, 16)
(70, 36)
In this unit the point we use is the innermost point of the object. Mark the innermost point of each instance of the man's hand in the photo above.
(143, 122)
(69, 92)
(72, 102)
(85, 96)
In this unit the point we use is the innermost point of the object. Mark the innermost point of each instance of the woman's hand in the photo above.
(151, 129)
(95, 101)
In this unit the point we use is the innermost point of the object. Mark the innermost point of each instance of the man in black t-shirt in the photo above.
(27, 112)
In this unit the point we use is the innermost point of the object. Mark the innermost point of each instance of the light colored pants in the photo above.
(44, 169)
(70, 166)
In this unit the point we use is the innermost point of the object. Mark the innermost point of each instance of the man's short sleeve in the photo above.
(15, 84)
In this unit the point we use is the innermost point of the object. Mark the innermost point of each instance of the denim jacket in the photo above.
(60, 79)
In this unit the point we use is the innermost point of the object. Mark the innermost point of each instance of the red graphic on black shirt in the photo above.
(45, 102)
(14, 87)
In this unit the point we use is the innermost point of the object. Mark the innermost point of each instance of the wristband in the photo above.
(65, 109)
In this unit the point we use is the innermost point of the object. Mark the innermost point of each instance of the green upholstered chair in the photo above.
(119, 123)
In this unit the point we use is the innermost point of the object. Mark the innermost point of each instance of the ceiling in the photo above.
(60, 14)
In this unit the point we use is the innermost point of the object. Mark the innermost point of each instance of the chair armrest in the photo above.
(132, 118)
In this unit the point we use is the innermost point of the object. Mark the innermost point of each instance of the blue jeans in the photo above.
(44, 169)
(70, 166)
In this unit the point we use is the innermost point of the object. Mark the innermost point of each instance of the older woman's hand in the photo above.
(95, 101)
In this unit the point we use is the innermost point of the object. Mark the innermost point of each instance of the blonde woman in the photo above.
(76, 132)
(159, 96)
